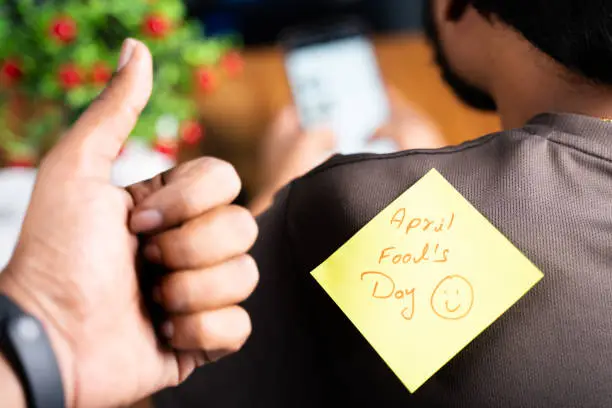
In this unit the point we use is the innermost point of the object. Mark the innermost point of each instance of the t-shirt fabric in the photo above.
(546, 186)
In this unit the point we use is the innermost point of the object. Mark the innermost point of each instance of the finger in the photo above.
(383, 132)
(217, 287)
(317, 147)
(91, 146)
(220, 332)
(286, 124)
(211, 239)
(320, 139)
(183, 193)
(396, 99)
(324, 139)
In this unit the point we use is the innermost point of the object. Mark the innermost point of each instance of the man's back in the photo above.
(547, 187)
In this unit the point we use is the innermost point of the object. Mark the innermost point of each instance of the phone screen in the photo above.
(337, 84)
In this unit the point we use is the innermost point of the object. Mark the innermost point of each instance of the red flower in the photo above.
(10, 72)
(64, 29)
(156, 25)
(70, 76)
(233, 63)
(205, 79)
(191, 132)
(101, 74)
(168, 148)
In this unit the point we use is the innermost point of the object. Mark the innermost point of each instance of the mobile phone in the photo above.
(336, 82)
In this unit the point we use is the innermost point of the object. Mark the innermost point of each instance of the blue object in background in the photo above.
(239, 1)
(222, 23)
(261, 21)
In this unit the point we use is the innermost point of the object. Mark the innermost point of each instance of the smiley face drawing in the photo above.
(453, 298)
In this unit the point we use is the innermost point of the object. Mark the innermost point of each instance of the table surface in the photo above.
(237, 114)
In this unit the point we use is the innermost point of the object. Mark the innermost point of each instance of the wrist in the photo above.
(30, 304)
(10, 386)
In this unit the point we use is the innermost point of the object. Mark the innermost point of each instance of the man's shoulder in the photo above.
(370, 178)
(397, 158)
(354, 171)
(330, 204)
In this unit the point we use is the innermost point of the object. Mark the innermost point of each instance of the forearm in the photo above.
(10, 387)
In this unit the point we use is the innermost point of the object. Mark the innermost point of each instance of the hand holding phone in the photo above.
(409, 126)
(336, 83)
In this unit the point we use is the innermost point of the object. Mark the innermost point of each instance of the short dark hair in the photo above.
(575, 33)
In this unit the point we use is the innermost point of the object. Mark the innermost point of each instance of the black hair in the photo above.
(575, 33)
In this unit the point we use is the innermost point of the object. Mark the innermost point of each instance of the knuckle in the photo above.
(132, 110)
(186, 202)
(242, 332)
(176, 290)
(219, 285)
(174, 246)
(120, 104)
(117, 106)
(244, 225)
(188, 244)
(250, 273)
(199, 336)
(139, 191)
(228, 330)
(208, 330)
(225, 174)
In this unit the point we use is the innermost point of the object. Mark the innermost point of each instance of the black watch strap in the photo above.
(26, 347)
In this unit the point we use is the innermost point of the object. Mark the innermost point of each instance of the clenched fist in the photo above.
(76, 266)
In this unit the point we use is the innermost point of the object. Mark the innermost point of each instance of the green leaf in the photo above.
(4, 28)
(174, 10)
(145, 128)
(202, 54)
(86, 55)
(25, 6)
(102, 25)
(78, 97)
(50, 89)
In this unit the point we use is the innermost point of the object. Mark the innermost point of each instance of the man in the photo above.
(288, 152)
(74, 269)
(545, 182)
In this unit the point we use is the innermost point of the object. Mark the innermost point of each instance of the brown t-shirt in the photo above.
(547, 187)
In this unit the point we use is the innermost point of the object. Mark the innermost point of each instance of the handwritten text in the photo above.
(400, 220)
(429, 253)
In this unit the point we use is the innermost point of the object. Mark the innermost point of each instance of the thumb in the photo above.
(316, 147)
(286, 124)
(396, 99)
(89, 148)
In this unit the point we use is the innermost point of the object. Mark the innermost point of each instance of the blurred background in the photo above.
(260, 21)
(220, 81)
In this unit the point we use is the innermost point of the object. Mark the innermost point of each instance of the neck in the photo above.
(516, 108)
(539, 85)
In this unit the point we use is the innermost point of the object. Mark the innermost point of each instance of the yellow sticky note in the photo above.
(425, 277)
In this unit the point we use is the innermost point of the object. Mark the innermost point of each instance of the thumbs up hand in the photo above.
(75, 267)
